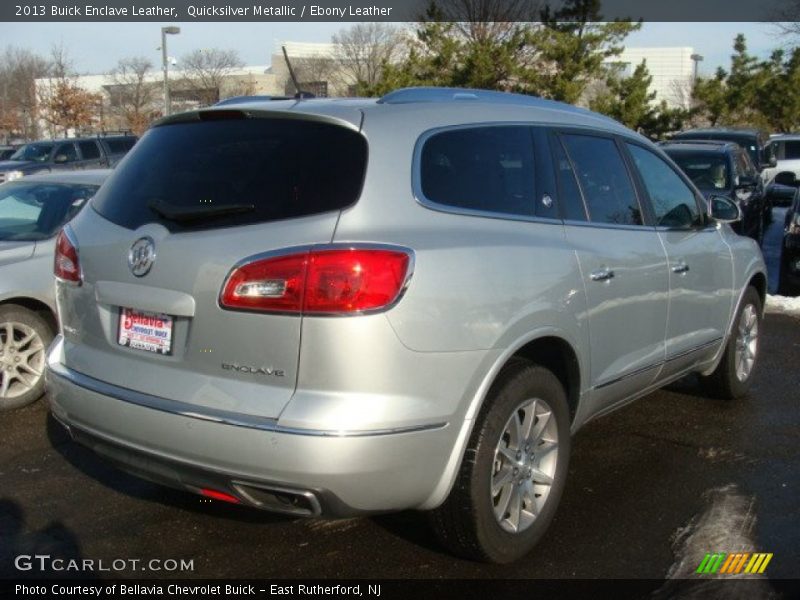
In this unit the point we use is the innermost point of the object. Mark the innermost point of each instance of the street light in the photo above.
(696, 58)
(165, 64)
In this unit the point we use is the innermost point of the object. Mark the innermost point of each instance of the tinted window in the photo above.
(34, 152)
(673, 201)
(281, 168)
(67, 150)
(485, 168)
(570, 197)
(89, 150)
(35, 211)
(604, 180)
(744, 166)
(707, 170)
(120, 146)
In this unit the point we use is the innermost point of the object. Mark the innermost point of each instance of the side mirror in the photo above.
(724, 210)
(60, 158)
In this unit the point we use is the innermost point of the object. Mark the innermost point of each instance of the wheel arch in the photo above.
(549, 348)
(35, 305)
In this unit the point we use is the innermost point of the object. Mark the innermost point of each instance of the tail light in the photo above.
(319, 281)
(66, 266)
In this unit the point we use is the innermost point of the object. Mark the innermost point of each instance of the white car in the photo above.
(787, 151)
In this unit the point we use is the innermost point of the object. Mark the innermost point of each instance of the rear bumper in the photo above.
(304, 472)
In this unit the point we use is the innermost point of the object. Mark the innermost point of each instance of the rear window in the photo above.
(282, 168)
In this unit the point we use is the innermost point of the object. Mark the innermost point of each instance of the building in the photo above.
(672, 70)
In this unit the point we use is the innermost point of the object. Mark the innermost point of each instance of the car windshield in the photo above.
(31, 211)
(707, 171)
(33, 152)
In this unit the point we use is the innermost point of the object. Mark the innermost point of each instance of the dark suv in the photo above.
(722, 168)
(755, 142)
(69, 154)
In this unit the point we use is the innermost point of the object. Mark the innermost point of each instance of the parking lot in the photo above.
(670, 478)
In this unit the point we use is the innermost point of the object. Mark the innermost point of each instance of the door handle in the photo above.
(603, 274)
(681, 267)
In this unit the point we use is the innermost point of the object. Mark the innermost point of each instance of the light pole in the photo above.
(165, 64)
(696, 58)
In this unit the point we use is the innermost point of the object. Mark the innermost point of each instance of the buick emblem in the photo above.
(141, 256)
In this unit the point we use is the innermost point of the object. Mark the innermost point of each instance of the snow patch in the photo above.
(725, 526)
(784, 305)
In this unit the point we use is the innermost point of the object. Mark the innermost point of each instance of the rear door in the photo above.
(700, 270)
(91, 155)
(622, 262)
(230, 190)
(65, 157)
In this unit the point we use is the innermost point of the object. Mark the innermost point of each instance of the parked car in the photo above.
(720, 168)
(32, 211)
(755, 142)
(789, 279)
(255, 312)
(786, 148)
(7, 151)
(68, 154)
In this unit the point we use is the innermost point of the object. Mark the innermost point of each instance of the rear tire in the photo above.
(734, 374)
(24, 338)
(513, 471)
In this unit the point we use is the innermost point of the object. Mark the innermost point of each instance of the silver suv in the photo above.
(344, 307)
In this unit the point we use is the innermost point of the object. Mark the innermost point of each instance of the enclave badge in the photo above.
(141, 256)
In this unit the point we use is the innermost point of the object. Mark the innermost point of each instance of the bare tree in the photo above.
(64, 105)
(132, 94)
(19, 69)
(363, 49)
(315, 74)
(206, 69)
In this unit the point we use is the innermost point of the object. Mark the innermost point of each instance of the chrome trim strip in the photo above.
(683, 353)
(654, 366)
(628, 375)
(214, 415)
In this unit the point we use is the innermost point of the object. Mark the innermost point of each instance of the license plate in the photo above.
(145, 331)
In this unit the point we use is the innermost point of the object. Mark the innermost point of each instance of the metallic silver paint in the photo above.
(484, 286)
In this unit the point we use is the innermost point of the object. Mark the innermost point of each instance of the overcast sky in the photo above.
(96, 47)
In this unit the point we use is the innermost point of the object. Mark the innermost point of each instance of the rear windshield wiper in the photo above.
(196, 213)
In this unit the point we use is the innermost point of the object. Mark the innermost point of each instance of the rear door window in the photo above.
(604, 180)
(89, 150)
(485, 169)
(258, 170)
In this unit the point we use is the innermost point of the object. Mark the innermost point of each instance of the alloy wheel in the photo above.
(22, 356)
(524, 465)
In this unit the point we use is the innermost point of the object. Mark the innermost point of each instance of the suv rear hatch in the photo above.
(206, 192)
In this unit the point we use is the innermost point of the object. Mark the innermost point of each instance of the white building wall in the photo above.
(671, 68)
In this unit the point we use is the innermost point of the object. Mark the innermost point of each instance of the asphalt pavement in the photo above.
(651, 489)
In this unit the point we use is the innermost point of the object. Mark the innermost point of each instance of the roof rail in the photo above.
(691, 142)
(437, 94)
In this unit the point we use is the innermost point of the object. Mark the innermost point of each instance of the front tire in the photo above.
(513, 471)
(734, 374)
(24, 338)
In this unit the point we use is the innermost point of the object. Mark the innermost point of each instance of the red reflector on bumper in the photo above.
(216, 495)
